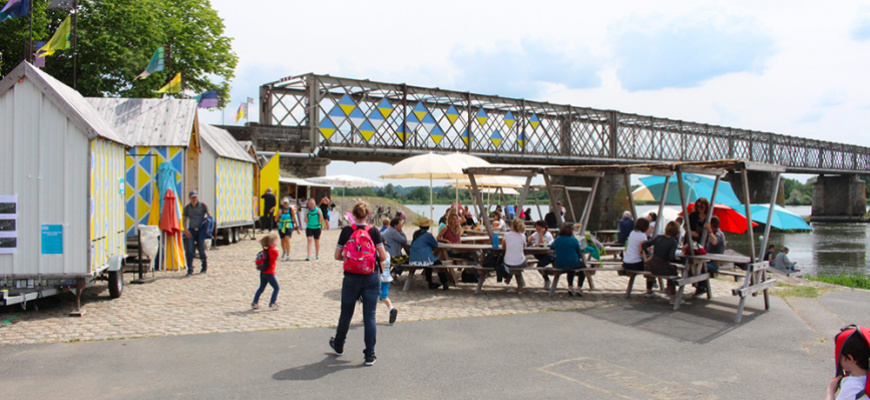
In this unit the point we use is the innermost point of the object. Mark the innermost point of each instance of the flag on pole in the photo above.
(15, 9)
(250, 100)
(60, 40)
(174, 86)
(243, 112)
(208, 99)
(39, 62)
(155, 65)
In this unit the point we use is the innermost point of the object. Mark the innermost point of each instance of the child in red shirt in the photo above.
(268, 276)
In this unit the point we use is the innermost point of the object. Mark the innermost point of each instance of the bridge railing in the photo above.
(360, 114)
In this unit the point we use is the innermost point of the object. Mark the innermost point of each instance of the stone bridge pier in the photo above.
(611, 199)
(284, 139)
(761, 187)
(839, 198)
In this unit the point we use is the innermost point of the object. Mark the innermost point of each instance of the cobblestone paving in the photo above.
(219, 301)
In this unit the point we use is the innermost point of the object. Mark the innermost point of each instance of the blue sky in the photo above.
(796, 68)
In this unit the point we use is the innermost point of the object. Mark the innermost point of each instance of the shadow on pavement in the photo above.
(700, 322)
(330, 364)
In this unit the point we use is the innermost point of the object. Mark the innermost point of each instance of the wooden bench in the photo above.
(446, 266)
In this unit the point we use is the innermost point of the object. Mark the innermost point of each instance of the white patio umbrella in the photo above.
(433, 166)
(346, 181)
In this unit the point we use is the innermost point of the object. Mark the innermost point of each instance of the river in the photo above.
(829, 248)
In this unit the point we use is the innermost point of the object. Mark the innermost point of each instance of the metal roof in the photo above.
(78, 110)
(223, 143)
(149, 122)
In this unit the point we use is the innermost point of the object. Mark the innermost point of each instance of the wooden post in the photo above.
(479, 201)
(627, 179)
(587, 210)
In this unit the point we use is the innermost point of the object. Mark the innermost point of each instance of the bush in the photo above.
(848, 279)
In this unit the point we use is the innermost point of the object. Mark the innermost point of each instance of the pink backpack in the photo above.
(359, 252)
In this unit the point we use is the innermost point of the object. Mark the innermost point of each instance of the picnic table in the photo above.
(696, 270)
(605, 235)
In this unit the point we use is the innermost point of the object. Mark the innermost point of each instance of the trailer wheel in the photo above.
(116, 284)
(236, 235)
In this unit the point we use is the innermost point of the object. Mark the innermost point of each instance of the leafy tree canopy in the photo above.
(116, 38)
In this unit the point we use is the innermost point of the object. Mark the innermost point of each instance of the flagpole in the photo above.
(75, 37)
(30, 42)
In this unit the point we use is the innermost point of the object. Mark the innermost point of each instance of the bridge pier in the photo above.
(761, 187)
(285, 139)
(611, 200)
(838, 198)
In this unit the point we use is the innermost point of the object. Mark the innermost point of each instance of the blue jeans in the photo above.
(191, 244)
(267, 279)
(355, 286)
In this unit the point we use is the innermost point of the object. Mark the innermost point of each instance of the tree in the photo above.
(116, 38)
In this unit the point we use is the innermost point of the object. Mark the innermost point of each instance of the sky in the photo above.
(791, 67)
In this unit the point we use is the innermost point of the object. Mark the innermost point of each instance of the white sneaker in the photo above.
(650, 295)
(671, 302)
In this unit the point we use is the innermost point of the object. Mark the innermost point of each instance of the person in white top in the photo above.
(852, 360)
(542, 238)
(632, 259)
(514, 257)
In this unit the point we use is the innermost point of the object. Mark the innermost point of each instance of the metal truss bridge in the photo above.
(345, 117)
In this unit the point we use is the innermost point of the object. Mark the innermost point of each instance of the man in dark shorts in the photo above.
(269, 203)
(193, 216)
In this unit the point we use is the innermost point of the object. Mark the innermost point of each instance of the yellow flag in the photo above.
(60, 40)
(174, 86)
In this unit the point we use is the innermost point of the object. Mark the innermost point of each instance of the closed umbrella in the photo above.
(696, 186)
(730, 220)
(782, 218)
(170, 224)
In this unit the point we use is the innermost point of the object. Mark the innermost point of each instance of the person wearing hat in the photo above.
(422, 253)
(192, 218)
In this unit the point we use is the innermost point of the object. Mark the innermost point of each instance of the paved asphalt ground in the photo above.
(625, 351)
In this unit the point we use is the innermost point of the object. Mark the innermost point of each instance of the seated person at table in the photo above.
(715, 245)
(697, 218)
(568, 256)
(652, 224)
(394, 241)
(422, 254)
(510, 212)
(467, 218)
(542, 238)
(452, 233)
(768, 254)
(682, 238)
(551, 220)
(385, 223)
(632, 260)
(527, 215)
(626, 225)
(782, 262)
(514, 257)
(497, 223)
(664, 252)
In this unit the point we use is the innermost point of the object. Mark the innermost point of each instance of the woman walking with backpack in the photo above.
(361, 248)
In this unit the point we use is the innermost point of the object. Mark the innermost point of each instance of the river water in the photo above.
(829, 248)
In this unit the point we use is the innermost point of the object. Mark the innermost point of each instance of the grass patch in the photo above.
(848, 279)
(784, 290)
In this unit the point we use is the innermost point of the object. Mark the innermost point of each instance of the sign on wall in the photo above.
(8, 224)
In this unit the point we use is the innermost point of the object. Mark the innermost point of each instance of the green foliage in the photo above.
(848, 279)
(797, 193)
(116, 38)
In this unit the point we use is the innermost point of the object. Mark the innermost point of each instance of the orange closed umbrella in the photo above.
(730, 220)
(169, 217)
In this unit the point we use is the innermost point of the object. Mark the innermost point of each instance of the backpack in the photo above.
(839, 340)
(263, 263)
(359, 252)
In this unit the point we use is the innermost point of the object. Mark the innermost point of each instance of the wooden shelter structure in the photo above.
(756, 278)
